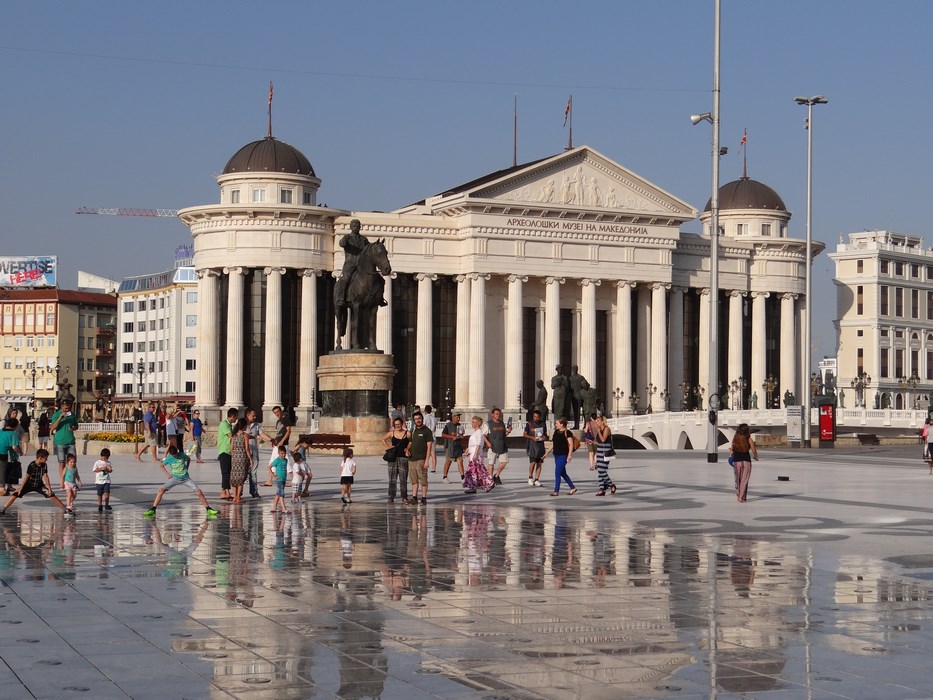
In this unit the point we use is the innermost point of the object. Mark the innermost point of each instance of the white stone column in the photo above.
(307, 366)
(462, 355)
(234, 340)
(384, 319)
(736, 345)
(273, 356)
(587, 355)
(788, 378)
(513, 347)
(623, 342)
(659, 344)
(551, 329)
(208, 348)
(478, 342)
(643, 339)
(759, 344)
(703, 345)
(424, 353)
(675, 375)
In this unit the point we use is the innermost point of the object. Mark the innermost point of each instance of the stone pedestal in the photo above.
(354, 389)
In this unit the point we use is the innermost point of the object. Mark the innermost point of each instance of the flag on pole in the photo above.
(270, 94)
(567, 110)
(744, 139)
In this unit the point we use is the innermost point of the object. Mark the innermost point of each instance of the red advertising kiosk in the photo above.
(827, 421)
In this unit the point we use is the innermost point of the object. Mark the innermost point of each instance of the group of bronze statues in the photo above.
(570, 393)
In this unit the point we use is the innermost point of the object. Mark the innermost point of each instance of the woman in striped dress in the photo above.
(603, 444)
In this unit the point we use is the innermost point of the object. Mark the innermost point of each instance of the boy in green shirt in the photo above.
(278, 472)
(177, 473)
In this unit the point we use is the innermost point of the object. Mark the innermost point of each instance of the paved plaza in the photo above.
(817, 587)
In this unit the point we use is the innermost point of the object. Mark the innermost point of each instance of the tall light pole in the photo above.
(140, 371)
(808, 323)
(712, 437)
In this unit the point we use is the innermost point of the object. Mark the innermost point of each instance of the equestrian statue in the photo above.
(359, 291)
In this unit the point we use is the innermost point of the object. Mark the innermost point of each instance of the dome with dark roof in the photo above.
(746, 193)
(270, 156)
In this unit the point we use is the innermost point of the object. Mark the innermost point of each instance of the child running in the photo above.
(278, 472)
(72, 482)
(37, 479)
(301, 475)
(347, 470)
(177, 474)
(102, 471)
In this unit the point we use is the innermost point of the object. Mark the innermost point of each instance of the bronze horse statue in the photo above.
(363, 296)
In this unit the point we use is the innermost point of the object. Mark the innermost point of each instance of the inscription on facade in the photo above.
(584, 226)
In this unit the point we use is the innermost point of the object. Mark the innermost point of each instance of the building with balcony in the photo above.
(51, 336)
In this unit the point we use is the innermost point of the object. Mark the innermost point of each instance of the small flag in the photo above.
(270, 94)
(744, 138)
(567, 111)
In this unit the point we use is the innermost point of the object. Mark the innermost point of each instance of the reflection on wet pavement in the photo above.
(448, 601)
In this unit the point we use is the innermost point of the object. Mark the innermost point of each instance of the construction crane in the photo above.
(119, 211)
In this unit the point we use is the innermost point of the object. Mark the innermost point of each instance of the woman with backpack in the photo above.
(742, 451)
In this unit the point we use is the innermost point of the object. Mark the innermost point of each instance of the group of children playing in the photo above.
(301, 478)
(37, 480)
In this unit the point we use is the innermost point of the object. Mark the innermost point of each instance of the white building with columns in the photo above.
(567, 260)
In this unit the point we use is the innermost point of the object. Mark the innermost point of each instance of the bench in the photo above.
(867, 439)
(325, 441)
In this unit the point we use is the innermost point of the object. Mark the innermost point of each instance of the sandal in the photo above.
(601, 492)
(612, 489)
(554, 493)
(573, 490)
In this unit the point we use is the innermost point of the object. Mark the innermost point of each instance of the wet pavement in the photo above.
(817, 587)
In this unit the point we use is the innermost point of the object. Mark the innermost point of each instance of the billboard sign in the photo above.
(794, 423)
(28, 271)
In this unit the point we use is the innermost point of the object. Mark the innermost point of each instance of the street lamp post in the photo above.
(684, 394)
(58, 370)
(665, 397)
(633, 400)
(698, 392)
(650, 391)
(617, 395)
(908, 384)
(768, 387)
(31, 373)
(140, 372)
(861, 382)
(808, 102)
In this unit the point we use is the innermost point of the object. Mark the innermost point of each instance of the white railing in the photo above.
(852, 418)
(102, 427)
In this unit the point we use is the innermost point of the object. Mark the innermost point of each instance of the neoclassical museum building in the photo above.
(567, 260)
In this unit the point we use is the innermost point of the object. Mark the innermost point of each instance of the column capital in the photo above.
(208, 272)
(737, 293)
(236, 270)
(518, 278)
(677, 289)
(587, 281)
(552, 280)
(789, 296)
(461, 278)
(763, 295)
(422, 276)
(622, 284)
(311, 272)
(480, 275)
(703, 291)
(276, 270)
(660, 285)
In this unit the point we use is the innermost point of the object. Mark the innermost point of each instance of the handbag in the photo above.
(610, 452)
(389, 455)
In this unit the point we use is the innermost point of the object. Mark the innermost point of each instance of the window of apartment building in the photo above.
(19, 341)
(81, 363)
(162, 303)
(860, 266)
(141, 326)
(81, 320)
(161, 345)
(81, 343)
(127, 389)
(161, 324)
(141, 346)
(40, 341)
(152, 325)
(191, 341)
(859, 333)
(741, 229)
(766, 229)
(883, 297)
(127, 367)
(49, 320)
(161, 366)
(151, 367)
(189, 387)
(914, 271)
(234, 196)
(191, 364)
(915, 303)
(898, 269)
(160, 387)
(128, 307)
(898, 334)
(899, 302)
(285, 196)
(191, 297)
(152, 304)
(151, 387)
(19, 362)
(151, 346)
(914, 361)
(191, 320)
(128, 327)
(90, 364)
(127, 347)
(884, 363)
(141, 305)
(929, 306)
(7, 362)
(859, 302)
(91, 322)
(259, 196)
(50, 341)
(884, 267)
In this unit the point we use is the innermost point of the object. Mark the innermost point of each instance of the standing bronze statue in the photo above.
(577, 381)
(359, 291)
(540, 403)
(560, 390)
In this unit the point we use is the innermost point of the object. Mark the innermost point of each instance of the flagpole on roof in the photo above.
(568, 114)
(515, 133)
(745, 155)
(270, 109)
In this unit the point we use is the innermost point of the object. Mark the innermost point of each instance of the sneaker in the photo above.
(497, 481)
(446, 480)
(149, 513)
(107, 507)
(2, 511)
(69, 511)
(212, 513)
(537, 483)
(344, 499)
(531, 481)
(100, 509)
(424, 500)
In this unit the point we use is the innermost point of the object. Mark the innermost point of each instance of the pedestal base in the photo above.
(354, 390)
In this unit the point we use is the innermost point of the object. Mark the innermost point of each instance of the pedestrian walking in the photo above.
(347, 472)
(604, 453)
(477, 476)
(241, 459)
(562, 444)
(420, 443)
(224, 434)
(452, 435)
(535, 433)
(102, 471)
(196, 428)
(396, 444)
(495, 431)
(743, 450)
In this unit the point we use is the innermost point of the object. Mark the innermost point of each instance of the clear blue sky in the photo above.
(141, 104)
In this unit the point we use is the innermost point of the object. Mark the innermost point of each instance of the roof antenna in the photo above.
(269, 135)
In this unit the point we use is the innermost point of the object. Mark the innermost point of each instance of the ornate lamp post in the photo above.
(770, 384)
(816, 385)
(633, 399)
(665, 397)
(31, 373)
(617, 395)
(698, 392)
(58, 370)
(684, 394)
(908, 384)
(650, 391)
(861, 382)
(140, 372)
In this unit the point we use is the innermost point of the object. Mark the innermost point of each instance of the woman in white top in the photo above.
(476, 475)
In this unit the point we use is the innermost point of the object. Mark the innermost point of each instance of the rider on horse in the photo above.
(353, 245)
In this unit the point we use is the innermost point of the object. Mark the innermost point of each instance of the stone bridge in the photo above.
(674, 430)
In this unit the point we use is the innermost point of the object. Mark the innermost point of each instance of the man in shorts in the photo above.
(37, 479)
(452, 436)
(422, 439)
(177, 473)
(151, 434)
(495, 432)
(64, 424)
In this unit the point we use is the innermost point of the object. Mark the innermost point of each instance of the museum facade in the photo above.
(568, 260)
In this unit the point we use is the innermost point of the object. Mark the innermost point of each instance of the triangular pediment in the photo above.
(581, 179)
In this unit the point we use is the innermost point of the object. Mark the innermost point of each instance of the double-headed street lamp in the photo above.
(31, 373)
(808, 102)
(768, 387)
(140, 372)
(861, 382)
(617, 395)
(908, 384)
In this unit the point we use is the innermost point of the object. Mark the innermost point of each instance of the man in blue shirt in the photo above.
(150, 433)
(197, 430)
